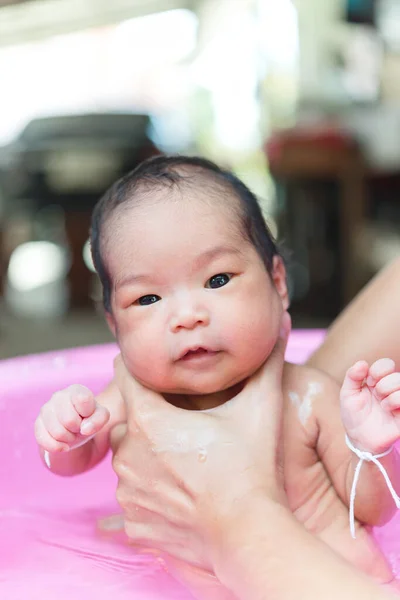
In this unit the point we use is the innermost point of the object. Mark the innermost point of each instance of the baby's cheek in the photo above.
(257, 342)
(142, 368)
(251, 353)
(149, 368)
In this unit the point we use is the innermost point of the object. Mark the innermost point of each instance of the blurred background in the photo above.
(301, 98)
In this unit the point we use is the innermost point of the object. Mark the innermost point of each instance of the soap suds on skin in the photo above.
(186, 441)
(202, 455)
(304, 406)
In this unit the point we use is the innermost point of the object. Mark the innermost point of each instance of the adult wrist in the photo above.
(263, 541)
(235, 535)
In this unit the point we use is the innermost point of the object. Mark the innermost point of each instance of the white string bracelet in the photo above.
(367, 457)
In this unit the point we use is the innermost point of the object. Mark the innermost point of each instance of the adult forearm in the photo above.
(370, 326)
(263, 553)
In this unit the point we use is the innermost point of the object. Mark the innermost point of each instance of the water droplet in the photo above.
(202, 455)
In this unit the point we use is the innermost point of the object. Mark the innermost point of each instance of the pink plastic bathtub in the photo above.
(49, 548)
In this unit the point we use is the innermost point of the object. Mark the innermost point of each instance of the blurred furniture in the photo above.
(313, 167)
(2, 261)
(69, 161)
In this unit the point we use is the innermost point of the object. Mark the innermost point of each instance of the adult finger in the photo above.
(140, 400)
(269, 377)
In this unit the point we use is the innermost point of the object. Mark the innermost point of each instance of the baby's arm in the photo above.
(369, 403)
(73, 428)
(374, 504)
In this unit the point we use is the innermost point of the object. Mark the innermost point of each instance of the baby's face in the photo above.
(193, 308)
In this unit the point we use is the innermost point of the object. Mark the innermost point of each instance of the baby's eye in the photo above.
(218, 281)
(146, 300)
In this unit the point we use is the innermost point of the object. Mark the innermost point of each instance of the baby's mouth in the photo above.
(198, 354)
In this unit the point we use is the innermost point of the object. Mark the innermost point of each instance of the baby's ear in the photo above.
(111, 323)
(278, 275)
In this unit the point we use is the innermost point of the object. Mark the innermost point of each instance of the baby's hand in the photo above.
(370, 405)
(68, 419)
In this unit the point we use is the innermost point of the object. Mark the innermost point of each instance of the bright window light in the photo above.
(87, 257)
(35, 264)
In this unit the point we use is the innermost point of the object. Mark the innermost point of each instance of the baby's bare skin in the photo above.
(318, 469)
(312, 496)
(311, 493)
(317, 464)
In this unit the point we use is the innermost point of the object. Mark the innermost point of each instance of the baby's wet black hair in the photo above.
(177, 173)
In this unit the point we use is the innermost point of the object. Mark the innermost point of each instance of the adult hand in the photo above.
(181, 472)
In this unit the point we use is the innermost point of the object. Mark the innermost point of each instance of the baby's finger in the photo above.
(69, 417)
(56, 429)
(354, 378)
(83, 400)
(391, 402)
(388, 385)
(380, 368)
(45, 440)
(96, 421)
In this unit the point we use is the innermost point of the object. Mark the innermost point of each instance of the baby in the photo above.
(194, 290)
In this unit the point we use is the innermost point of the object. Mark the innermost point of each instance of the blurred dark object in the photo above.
(69, 161)
(362, 12)
(320, 179)
(8, 2)
(2, 261)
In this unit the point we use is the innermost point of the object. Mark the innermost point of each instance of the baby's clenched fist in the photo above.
(69, 419)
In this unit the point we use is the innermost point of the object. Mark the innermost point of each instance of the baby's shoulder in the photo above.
(302, 379)
(308, 395)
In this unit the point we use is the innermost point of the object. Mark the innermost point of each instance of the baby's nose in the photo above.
(189, 318)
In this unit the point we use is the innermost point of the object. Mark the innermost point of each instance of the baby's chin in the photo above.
(203, 396)
(198, 384)
(201, 388)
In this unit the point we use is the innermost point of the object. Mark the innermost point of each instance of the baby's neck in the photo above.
(204, 401)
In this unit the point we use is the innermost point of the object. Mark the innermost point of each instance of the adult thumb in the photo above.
(137, 397)
(277, 357)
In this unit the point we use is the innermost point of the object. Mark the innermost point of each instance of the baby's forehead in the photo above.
(135, 218)
(219, 202)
